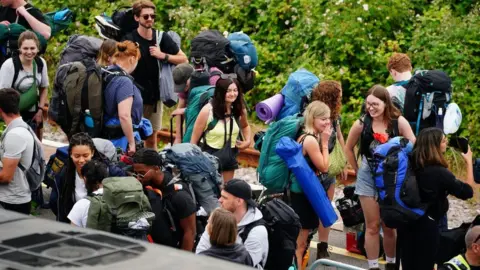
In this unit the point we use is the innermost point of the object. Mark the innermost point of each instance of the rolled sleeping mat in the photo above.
(291, 152)
(268, 109)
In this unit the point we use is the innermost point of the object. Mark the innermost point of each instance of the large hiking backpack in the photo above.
(197, 98)
(283, 226)
(272, 170)
(299, 87)
(199, 169)
(36, 171)
(124, 19)
(123, 202)
(211, 46)
(80, 47)
(77, 87)
(59, 20)
(398, 192)
(243, 50)
(427, 96)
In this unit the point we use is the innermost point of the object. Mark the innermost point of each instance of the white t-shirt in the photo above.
(80, 189)
(79, 213)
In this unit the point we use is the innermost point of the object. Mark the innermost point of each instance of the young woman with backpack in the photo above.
(69, 184)
(106, 52)
(123, 107)
(418, 242)
(221, 122)
(27, 73)
(93, 173)
(222, 228)
(330, 92)
(314, 138)
(381, 121)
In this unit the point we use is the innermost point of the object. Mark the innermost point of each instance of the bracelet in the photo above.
(166, 57)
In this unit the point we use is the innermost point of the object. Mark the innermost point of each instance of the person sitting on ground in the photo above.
(147, 165)
(69, 184)
(93, 173)
(400, 68)
(28, 61)
(418, 242)
(222, 228)
(236, 197)
(123, 100)
(106, 52)
(226, 107)
(471, 259)
(16, 149)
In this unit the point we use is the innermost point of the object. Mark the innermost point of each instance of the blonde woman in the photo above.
(314, 138)
(222, 228)
(106, 52)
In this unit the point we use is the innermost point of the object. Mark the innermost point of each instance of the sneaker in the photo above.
(322, 250)
(390, 266)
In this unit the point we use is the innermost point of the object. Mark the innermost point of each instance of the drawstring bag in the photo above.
(227, 156)
(337, 160)
(30, 97)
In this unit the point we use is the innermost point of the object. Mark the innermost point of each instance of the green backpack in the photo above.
(197, 98)
(272, 170)
(123, 201)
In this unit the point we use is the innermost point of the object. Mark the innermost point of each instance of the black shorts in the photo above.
(304, 209)
(226, 163)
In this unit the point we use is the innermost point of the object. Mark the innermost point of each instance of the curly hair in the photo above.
(330, 93)
(399, 62)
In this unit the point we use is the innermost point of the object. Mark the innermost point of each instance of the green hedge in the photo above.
(346, 40)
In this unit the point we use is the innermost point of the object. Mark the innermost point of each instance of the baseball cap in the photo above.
(181, 73)
(240, 189)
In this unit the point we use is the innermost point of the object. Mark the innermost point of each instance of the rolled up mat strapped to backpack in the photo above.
(291, 152)
(268, 109)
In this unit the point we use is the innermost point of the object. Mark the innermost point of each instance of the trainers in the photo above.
(390, 266)
(322, 250)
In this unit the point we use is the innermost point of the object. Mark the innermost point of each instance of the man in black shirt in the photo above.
(147, 165)
(471, 259)
(147, 73)
(23, 13)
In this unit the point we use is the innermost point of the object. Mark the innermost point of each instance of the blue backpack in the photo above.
(298, 88)
(243, 50)
(398, 192)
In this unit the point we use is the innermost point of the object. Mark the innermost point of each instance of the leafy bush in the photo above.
(345, 40)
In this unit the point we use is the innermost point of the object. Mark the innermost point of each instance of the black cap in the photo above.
(240, 189)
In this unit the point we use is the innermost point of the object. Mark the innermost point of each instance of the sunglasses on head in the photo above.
(228, 76)
(145, 17)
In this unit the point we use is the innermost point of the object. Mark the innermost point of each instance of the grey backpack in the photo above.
(36, 171)
(80, 47)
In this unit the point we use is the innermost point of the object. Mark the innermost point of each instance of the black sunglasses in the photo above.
(145, 17)
(228, 76)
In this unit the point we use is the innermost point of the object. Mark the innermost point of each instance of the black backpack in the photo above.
(211, 46)
(349, 207)
(163, 227)
(123, 18)
(283, 226)
(427, 96)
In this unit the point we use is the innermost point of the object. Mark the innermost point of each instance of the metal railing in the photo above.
(322, 263)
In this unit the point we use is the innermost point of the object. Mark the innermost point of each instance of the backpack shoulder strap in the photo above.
(17, 66)
(39, 63)
(246, 230)
(34, 154)
(395, 130)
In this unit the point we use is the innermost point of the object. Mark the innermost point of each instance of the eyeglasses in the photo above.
(374, 105)
(145, 17)
(228, 76)
(140, 176)
(476, 239)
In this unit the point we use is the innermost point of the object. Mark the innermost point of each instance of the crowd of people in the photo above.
(220, 129)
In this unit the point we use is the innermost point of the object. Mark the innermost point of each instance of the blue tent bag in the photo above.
(243, 50)
(299, 85)
(291, 152)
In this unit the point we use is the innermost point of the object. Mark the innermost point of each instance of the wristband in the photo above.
(166, 57)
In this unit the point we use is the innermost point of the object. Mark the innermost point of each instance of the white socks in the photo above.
(390, 260)
(373, 263)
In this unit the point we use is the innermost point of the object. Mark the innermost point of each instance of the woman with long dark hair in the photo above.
(222, 121)
(381, 122)
(70, 186)
(418, 241)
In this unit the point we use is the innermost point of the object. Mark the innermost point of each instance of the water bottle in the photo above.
(439, 119)
(89, 124)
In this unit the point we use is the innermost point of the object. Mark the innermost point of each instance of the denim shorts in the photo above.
(365, 185)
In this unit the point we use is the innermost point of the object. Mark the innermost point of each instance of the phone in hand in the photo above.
(460, 143)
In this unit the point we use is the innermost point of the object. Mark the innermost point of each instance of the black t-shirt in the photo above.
(435, 184)
(181, 205)
(9, 14)
(146, 73)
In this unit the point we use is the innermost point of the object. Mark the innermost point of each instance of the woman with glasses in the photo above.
(419, 241)
(381, 121)
(222, 126)
(69, 183)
